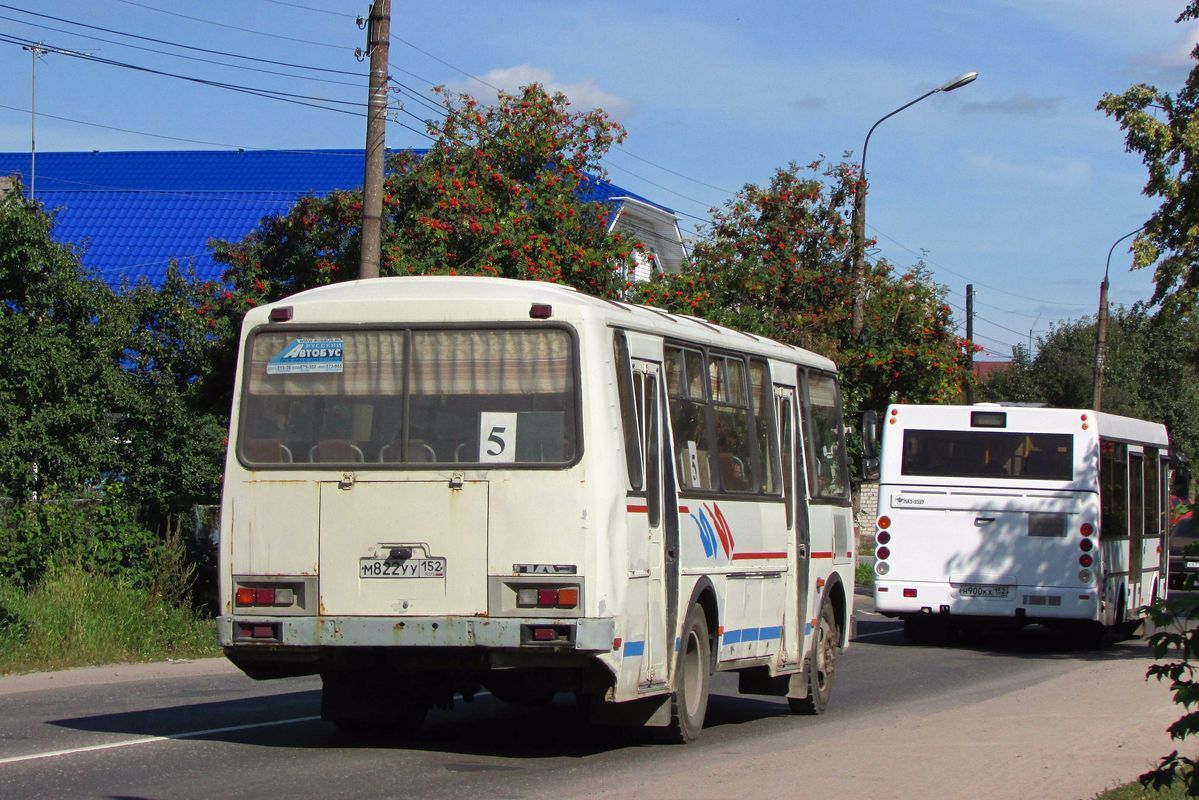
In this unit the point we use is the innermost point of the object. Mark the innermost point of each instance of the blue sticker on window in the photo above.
(308, 355)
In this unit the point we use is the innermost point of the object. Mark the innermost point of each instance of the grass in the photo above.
(1134, 791)
(863, 573)
(73, 618)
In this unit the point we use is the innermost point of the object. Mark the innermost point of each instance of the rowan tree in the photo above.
(777, 262)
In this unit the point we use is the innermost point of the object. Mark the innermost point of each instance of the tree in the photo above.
(776, 263)
(61, 333)
(1161, 127)
(1146, 374)
(503, 191)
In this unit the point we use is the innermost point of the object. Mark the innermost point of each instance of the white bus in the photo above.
(1015, 515)
(440, 485)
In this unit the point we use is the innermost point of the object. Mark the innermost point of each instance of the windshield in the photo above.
(988, 454)
(395, 397)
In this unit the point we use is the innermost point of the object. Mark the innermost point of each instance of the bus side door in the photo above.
(647, 380)
(795, 614)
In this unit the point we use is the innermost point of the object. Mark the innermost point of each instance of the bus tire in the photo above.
(821, 666)
(693, 680)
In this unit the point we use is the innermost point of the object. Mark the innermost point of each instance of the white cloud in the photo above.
(583, 94)
(1057, 171)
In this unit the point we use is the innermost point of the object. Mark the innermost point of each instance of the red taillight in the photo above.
(884, 522)
(909, 592)
(281, 314)
(543, 634)
(883, 537)
(882, 553)
(1086, 545)
(547, 597)
(1087, 529)
(540, 311)
(1086, 560)
(251, 596)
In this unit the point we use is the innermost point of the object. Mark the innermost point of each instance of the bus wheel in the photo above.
(821, 666)
(692, 680)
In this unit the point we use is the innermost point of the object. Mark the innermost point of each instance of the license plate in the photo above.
(982, 590)
(1193, 565)
(395, 568)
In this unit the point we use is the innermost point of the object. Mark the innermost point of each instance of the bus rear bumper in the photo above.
(1020, 602)
(590, 635)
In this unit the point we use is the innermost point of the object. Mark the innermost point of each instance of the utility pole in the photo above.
(1101, 324)
(970, 344)
(378, 33)
(35, 51)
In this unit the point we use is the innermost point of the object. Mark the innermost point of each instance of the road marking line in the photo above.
(149, 739)
(861, 636)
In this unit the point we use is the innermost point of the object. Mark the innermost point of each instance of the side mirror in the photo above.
(870, 434)
(870, 463)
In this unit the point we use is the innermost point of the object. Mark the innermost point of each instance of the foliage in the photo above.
(1161, 126)
(777, 264)
(63, 346)
(1177, 638)
(72, 617)
(501, 192)
(1149, 371)
(102, 534)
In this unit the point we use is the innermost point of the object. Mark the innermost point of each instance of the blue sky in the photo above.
(1013, 183)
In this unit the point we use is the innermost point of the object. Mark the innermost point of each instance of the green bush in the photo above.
(100, 533)
(73, 617)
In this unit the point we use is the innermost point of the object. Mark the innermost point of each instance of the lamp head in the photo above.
(958, 82)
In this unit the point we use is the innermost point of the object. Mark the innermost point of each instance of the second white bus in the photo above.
(441, 485)
(1014, 515)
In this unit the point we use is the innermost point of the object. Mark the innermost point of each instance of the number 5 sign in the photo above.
(497, 436)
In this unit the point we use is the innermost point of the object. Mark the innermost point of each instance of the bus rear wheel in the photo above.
(822, 666)
(693, 678)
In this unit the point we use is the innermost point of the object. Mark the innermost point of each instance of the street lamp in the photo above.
(1101, 322)
(859, 206)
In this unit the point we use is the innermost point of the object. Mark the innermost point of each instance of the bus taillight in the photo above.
(567, 597)
(883, 537)
(884, 522)
(1086, 560)
(882, 553)
(1087, 529)
(1086, 545)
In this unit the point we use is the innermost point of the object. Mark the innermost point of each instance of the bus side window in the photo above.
(628, 387)
(828, 472)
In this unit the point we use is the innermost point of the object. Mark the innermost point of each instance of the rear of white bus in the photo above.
(407, 511)
(987, 515)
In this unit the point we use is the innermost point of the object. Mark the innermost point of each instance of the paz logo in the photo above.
(714, 529)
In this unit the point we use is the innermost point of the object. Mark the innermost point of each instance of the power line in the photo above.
(310, 8)
(178, 44)
(231, 27)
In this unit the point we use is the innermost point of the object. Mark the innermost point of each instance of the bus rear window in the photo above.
(988, 454)
(392, 397)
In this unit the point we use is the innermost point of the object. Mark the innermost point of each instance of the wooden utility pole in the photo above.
(378, 33)
(970, 344)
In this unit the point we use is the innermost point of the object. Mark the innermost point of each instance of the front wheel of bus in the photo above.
(821, 666)
(693, 675)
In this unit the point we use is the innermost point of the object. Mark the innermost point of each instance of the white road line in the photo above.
(861, 636)
(149, 739)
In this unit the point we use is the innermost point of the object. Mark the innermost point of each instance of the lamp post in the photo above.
(1101, 323)
(859, 206)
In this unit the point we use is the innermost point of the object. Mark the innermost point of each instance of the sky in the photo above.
(1014, 184)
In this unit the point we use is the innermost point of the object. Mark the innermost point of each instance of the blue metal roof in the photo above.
(132, 212)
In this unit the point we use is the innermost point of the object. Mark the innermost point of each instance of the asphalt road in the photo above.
(203, 730)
